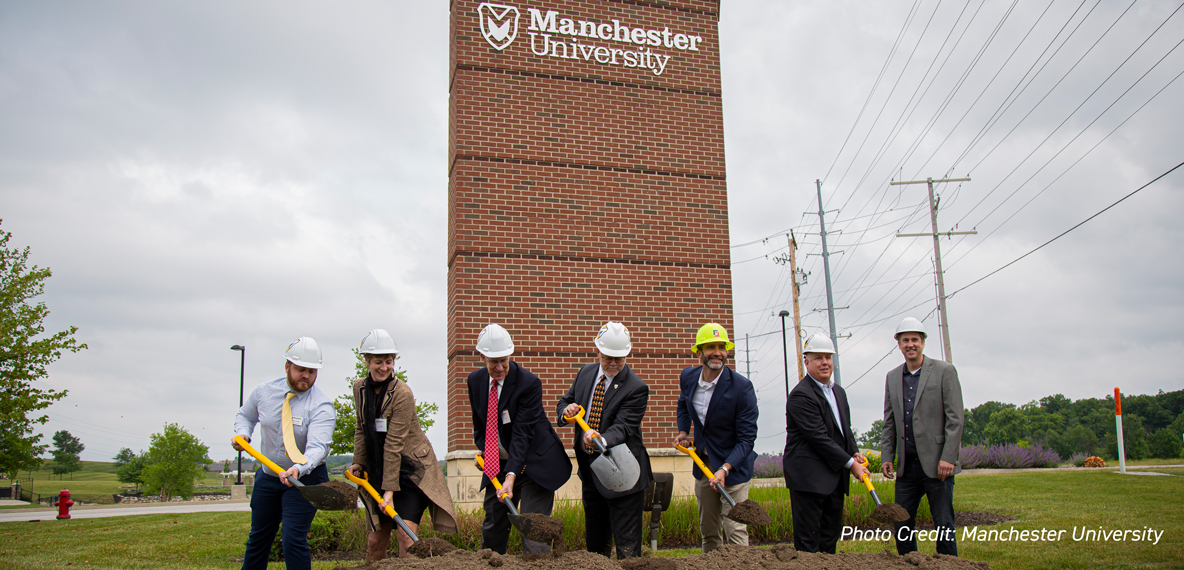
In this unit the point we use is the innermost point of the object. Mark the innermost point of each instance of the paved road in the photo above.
(102, 511)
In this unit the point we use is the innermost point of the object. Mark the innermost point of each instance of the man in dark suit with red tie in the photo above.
(615, 400)
(516, 439)
(819, 451)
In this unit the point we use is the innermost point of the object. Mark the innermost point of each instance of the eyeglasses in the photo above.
(613, 359)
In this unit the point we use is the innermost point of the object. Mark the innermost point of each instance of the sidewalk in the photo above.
(103, 511)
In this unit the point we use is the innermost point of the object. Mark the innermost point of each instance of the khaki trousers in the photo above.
(715, 529)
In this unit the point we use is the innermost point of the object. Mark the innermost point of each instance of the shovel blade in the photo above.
(326, 498)
(617, 470)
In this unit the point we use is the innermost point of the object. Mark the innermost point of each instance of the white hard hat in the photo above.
(819, 343)
(378, 341)
(909, 324)
(613, 340)
(304, 352)
(495, 342)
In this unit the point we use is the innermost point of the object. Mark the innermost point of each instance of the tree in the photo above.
(132, 472)
(24, 356)
(1165, 444)
(65, 453)
(343, 429)
(175, 461)
(123, 457)
(871, 438)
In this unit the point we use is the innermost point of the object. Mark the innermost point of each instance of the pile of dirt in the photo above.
(889, 513)
(749, 512)
(429, 547)
(540, 528)
(345, 499)
(728, 557)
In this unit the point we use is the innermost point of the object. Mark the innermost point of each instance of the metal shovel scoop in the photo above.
(616, 468)
(321, 497)
(751, 513)
(364, 483)
(541, 537)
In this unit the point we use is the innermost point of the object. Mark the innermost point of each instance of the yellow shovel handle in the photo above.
(867, 480)
(691, 451)
(365, 484)
(481, 463)
(242, 441)
(579, 419)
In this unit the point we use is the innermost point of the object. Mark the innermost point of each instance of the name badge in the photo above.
(505, 416)
(297, 421)
(380, 425)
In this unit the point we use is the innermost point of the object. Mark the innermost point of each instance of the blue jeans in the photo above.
(911, 485)
(272, 502)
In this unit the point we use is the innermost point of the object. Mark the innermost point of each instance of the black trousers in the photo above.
(817, 518)
(911, 485)
(612, 520)
(529, 497)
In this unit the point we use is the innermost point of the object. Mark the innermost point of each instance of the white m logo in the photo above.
(499, 24)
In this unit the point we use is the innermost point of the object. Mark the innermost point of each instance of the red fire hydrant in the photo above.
(64, 503)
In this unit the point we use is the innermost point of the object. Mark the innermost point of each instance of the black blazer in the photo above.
(533, 447)
(625, 400)
(731, 414)
(816, 450)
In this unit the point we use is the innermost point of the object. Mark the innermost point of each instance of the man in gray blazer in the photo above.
(923, 419)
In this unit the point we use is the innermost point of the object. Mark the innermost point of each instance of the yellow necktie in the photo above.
(289, 435)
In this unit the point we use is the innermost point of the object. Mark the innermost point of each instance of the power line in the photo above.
(1100, 212)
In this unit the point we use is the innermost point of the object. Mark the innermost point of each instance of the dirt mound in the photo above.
(784, 557)
(749, 512)
(540, 527)
(429, 547)
(889, 513)
(345, 499)
(728, 557)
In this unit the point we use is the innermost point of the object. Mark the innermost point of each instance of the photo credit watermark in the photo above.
(1010, 534)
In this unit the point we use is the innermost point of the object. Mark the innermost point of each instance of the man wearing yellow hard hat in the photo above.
(720, 405)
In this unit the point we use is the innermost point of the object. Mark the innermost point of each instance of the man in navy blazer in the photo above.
(819, 451)
(531, 461)
(714, 396)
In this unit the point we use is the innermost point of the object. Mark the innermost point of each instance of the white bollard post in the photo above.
(1118, 422)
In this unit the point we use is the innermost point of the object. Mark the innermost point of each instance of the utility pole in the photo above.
(830, 302)
(797, 316)
(943, 322)
(747, 359)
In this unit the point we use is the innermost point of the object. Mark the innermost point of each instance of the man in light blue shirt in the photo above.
(296, 420)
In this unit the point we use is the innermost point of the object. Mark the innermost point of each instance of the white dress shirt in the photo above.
(828, 391)
(313, 419)
(702, 397)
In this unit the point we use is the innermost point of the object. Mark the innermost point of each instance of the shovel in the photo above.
(884, 513)
(750, 513)
(390, 511)
(616, 468)
(524, 525)
(321, 497)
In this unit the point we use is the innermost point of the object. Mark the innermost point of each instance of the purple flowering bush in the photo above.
(1008, 456)
(767, 466)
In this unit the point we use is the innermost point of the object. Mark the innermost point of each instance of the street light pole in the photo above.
(784, 352)
(242, 364)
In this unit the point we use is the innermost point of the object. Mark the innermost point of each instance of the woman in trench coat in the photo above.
(392, 450)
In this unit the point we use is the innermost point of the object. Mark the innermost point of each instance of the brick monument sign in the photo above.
(586, 184)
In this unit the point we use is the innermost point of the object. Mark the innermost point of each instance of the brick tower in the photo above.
(586, 184)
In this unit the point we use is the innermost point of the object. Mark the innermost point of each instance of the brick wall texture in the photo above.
(582, 191)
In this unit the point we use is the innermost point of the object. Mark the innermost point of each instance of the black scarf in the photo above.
(375, 441)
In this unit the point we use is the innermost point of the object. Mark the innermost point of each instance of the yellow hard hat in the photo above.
(709, 333)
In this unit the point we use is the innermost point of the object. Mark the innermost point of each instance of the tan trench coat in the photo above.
(405, 441)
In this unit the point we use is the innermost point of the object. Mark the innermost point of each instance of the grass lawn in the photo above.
(1059, 500)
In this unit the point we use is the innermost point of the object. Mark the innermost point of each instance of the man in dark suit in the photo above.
(714, 396)
(615, 400)
(518, 444)
(819, 451)
(923, 419)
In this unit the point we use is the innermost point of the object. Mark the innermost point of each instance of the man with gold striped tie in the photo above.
(615, 401)
(296, 421)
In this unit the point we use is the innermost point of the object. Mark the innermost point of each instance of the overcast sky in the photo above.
(200, 174)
